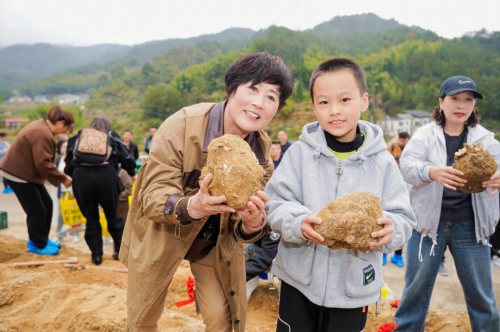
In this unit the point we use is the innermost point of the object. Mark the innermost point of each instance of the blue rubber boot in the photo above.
(48, 250)
(384, 259)
(398, 260)
(8, 190)
(55, 244)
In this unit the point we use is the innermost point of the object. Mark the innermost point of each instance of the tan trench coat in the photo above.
(154, 242)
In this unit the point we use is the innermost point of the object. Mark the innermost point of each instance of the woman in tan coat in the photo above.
(173, 217)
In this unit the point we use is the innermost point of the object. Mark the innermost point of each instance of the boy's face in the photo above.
(338, 104)
(250, 108)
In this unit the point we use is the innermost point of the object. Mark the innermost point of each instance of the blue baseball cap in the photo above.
(456, 84)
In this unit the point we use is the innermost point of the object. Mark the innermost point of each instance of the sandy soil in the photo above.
(54, 298)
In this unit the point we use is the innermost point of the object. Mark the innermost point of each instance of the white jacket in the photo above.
(427, 148)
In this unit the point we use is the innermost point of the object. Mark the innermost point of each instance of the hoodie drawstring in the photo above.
(316, 154)
(420, 258)
(434, 243)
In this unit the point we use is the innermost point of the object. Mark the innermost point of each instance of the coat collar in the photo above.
(215, 129)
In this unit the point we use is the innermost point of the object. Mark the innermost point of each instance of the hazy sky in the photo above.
(88, 22)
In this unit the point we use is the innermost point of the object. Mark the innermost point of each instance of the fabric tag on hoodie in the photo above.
(368, 275)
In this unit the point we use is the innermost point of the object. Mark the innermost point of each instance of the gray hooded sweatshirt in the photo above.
(309, 176)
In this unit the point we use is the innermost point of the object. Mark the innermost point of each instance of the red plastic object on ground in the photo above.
(190, 291)
(389, 327)
(395, 303)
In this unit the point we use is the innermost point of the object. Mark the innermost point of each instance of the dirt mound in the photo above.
(235, 169)
(53, 298)
(349, 221)
(477, 164)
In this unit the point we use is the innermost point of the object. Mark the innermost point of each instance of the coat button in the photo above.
(228, 263)
(232, 293)
(237, 321)
(223, 232)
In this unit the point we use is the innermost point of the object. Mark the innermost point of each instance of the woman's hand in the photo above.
(68, 181)
(447, 176)
(307, 228)
(385, 233)
(204, 204)
(255, 211)
(493, 182)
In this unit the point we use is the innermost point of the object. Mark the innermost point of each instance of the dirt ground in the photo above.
(54, 298)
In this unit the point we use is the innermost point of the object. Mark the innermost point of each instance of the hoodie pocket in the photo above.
(364, 274)
(297, 260)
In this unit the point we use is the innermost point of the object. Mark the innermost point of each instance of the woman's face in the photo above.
(64, 147)
(457, 108)
(250, 108)
(60, 127)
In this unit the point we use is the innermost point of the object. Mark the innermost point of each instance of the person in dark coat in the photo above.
(95, 185)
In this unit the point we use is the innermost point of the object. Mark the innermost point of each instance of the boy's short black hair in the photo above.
(336, 64)
(258, 68)
(3, 134)
(127, 131)
(404, 135)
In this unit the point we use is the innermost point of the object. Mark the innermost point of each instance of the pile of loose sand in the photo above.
(53, 298)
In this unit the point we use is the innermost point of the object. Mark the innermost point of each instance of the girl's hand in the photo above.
(255, 211)
(204, 204)
(307, 228)
(385, 233)
(493, 182)
(447, 176)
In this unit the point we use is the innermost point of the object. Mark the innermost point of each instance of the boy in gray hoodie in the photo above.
(324, 289)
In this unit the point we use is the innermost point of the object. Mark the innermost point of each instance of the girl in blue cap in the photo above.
(446, 215)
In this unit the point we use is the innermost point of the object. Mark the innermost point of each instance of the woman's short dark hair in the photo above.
(55, 114)
(337, 64)
(101, 124)
(257, 68)
(439, 118)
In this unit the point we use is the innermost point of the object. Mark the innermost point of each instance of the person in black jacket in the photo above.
(131, 146)
(259, 258)
(95, 185)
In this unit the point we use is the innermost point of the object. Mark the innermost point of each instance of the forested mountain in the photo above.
(23, 63)
(404, 67)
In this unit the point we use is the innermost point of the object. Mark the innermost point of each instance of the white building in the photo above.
(409, 121)
(41, 99)
(20, 100)
(66, 99)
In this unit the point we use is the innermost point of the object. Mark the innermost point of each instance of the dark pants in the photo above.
(399, 252)
(297, 313)
(94, 186)
(37, 204)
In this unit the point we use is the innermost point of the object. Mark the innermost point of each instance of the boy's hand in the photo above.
(447, 176)
(493, 182)
(307, 228)
(385, 233)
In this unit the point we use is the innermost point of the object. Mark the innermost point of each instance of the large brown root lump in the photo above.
(477, 164)
(349, 221)
(235, 169)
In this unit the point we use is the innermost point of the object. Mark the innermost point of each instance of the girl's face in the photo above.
(250, 108)
(458, 108)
